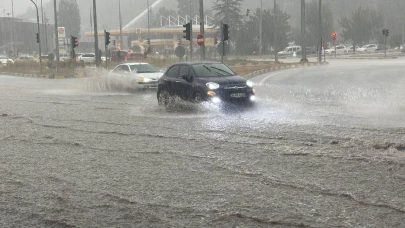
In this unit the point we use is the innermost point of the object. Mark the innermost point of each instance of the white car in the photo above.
(290, 50)
(87, 58)
(340, 49)
(4, 60)
(135, 76)
(368, 48)
(350, 49)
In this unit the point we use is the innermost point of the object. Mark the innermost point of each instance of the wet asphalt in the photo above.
(323, 147)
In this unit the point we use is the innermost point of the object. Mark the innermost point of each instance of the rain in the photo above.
(192, 113)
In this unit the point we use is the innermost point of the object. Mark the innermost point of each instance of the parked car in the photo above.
(27, 58)
(290, 50)
(87, 58)
(382, 47)
(204, 81)
(4, 60)
(135, 76)
(118, 55)
(368, 48)
(340, 49)
(350, 49)
(133, 56)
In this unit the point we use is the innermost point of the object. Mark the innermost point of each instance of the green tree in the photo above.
(184, 7)
(312, 23)
(363, 25)
(228, 12)
(69, 17)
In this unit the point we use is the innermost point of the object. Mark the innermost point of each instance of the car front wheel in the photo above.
(164, 99)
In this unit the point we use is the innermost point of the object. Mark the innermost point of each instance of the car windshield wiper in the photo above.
(212, 71)
(222, 71)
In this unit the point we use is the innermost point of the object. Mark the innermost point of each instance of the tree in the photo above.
(184, 7)
(228, 12)
(69, 17)
(363, 25)
(312, 23)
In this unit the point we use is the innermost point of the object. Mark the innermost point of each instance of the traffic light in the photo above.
(226, 32)
(107, 37)
(247, 12)
(37, 37)
(148, 41)
(386, 32)
(334, 35)
(179, 41)
(187, 32)
(216, 40)
(113, 42)
(74, 41)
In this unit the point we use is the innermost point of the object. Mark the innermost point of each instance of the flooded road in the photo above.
(323, 147)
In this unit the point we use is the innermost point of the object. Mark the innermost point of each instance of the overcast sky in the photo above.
(20, 6)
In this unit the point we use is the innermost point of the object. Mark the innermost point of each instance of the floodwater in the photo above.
(323, 147)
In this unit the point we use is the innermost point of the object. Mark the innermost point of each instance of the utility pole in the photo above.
(42, 13)
(96, 50)
(191, 34)
(275, 32)
(12, 8)
(56, 36)
(303, 47)
(46, 34)
(120, 17)
(320, 31)
(202, 48)
(260, 29)
(148, 18)
(39, 39)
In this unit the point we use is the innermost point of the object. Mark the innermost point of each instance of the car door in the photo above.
(185, 87)
(171, 80)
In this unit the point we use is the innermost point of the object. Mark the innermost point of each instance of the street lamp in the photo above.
(39, 35)
(260, 31)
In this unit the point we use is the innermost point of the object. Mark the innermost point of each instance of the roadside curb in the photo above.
(390, 57)
(44, 76)
(291, 66)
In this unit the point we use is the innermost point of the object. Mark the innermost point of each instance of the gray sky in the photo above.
(20, 6)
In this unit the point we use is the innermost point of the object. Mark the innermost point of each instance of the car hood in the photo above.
(155, 75)
(223, 80)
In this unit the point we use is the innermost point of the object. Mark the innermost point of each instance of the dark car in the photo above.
(204, 81)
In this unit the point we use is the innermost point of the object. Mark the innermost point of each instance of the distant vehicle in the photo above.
(382, 47)
(87, 58)
(368, 48)
(135, 76)
(204, 81)
(350, 49)
(4, 60)
(27, 58)
(118, 55)
(64, 57)
(340, 49)
(133, 56)
(290, 50)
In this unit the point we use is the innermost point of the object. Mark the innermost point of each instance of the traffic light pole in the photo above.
(223, 42)
(56, 36)
(39, 38)
(303, 32)
(96, 50)
(385, 46)
(191, 40)
(202, 29)
(275, 33)
(320, 31)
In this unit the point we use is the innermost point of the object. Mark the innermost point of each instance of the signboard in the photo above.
(61, 40)
(180, 51)
(200, 40)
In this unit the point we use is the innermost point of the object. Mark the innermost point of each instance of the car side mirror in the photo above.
(188, 78)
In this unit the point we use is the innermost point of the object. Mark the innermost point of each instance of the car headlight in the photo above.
(249, 83)
(145, 80)
(212, 85)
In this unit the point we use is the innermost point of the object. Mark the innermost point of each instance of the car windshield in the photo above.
(365, 46)
(143, 68)
(212, 70)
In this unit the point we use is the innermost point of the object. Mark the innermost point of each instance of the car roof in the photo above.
(134, 63)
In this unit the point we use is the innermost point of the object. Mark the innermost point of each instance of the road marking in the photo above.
(271, 75)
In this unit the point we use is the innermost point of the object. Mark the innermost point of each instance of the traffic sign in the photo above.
(325, 45)
(180, 51)
(200, 40)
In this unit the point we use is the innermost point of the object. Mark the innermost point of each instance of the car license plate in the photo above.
(238, 95)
